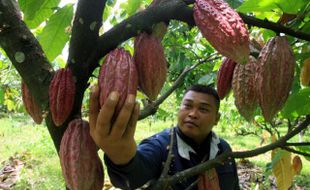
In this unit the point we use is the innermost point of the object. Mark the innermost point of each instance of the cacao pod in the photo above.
(274, 75)
(32, 108)
(223, 28)
(244, 88)
(297, 165)
(117, 73)
(61, 95)
(305, 73)
(81, 166)
(151, 64)
(224, 77)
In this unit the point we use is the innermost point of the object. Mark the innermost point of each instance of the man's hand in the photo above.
(115, 139)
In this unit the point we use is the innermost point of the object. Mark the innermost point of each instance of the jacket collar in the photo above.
(184, 148)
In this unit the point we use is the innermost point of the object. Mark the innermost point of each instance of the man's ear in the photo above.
(218, 116)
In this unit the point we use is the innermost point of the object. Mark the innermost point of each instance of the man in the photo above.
(130, 167)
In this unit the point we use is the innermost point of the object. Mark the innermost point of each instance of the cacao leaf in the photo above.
(257, 5)
(304, 149)
(37, 11)
(282, 169)
(1, 95)
(54, 36)
(291, 6)
(297, 104)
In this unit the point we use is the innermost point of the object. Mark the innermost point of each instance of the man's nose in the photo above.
(193, 113)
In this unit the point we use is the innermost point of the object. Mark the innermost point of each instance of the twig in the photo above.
(298, 144)
(151, 108)
(229, 155)
(295, 151)
(164, 173)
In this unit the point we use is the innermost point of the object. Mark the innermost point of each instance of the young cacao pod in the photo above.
(61, 95)
(297, 165)
(244, 88)
(117, 73)
(81, 166)
(151, 64)
(274, 75)
(224, 77)
(305, 73)
(32, 108)
(223, 28)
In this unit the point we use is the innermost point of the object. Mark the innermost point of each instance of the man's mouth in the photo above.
(191, 123)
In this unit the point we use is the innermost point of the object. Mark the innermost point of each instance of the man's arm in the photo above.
(115, 139)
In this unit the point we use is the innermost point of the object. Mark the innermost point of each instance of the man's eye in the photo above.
(187, 105)
(204, 110)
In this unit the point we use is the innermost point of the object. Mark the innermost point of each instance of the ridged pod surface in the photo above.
(224, 77)
(305, 73)
(151, 64)
(80, 163)
(223, 28)
(61, 95)
(244, 88)
(117, 73)
(30, 104)
(274, 75)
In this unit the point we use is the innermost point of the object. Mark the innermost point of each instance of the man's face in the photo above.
(197, 115)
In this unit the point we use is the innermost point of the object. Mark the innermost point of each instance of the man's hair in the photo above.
(206, 90)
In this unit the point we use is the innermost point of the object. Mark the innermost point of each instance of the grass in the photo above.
(21, 138)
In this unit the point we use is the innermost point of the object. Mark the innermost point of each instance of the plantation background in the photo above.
(30, 146)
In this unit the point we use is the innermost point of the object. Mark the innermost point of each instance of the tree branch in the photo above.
(84, 38)
(228, 155)
(151, 108)
(165, 11)
(298, 144)
(295, 151)
(25, 52)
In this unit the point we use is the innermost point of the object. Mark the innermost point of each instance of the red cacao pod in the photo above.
(151, 64)
(305, 73)
(244, 88)
(223, 28)
(274, 75)
(81, 166)
(61, 95)
(224, 77)
(30, 104)
(117, 73)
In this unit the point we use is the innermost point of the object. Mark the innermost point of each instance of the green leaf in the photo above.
(1, 95)
(291, 6)
(131, 6)
(54, 36)
(297, 104)
(304, 149)
(106, 13)
(257, 5)
(234, 3)
(37, 11)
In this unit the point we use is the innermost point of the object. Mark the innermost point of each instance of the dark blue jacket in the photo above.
(152, 153)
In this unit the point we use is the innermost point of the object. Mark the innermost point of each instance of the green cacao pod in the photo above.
(117, 73)
(32, 108)
(151, 64)
(61, 95)
(81, 166)
(223, 28)
(244, 88)
(274, 75)
(224, 77)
